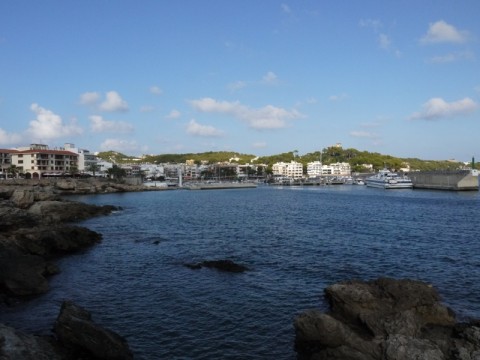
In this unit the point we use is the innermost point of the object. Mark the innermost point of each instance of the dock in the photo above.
(219, 186)
(460, 180)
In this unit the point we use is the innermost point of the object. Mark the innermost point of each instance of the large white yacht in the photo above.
(386, 179)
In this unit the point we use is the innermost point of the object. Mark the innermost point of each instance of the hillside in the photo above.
(328, 155)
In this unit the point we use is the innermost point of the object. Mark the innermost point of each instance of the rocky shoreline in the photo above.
(36, 227)
(385, 319)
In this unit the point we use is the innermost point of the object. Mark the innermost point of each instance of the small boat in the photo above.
(386, 179)
(358, 182)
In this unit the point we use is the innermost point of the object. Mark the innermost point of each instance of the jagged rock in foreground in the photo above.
(76, 331)
(78, 338)
(385, 319)
(16, 345)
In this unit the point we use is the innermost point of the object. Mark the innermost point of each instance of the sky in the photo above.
(400, 78)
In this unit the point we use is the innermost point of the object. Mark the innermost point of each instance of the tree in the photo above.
(13, 170)
(93, 168)
(116, 172)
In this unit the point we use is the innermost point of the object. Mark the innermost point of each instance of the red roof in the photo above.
(53, 152)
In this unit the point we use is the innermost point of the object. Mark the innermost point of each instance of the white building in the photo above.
(85, 159)
(337, 169)
(292, 169)
(152, 170)
(315, 169)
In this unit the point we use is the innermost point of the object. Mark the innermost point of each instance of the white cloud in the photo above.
(113, 102)
(98, 125)
(156, 90)
(340, 97)
(384, 41)
(437, 108)
(9, 139)
(89, 98)
(119, 145)
(452, 57)
(270, 78)
(196, 129)
(268, 117)
(441, 32)
(235, 86)
(174, 114)
(49, 125)
(370, 23)
(285, 8)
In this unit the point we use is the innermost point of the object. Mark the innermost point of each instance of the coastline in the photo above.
(40, 205)
(37, 227)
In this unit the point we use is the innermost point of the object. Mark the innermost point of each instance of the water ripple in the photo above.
(295, 242)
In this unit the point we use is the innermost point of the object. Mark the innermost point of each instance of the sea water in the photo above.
(295, 241)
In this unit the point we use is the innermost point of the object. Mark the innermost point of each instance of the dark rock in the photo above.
(11, 217)
(63, 211)
(76, 330)
(23, 274)
(384, 319)
(16, 345)
(55, 240)
(225, 265)
(194, 266)
(222, 265)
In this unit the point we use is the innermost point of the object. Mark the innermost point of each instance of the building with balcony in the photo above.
(5, 160)
(316, 169)
(292, 169)
(85, 159)
(39, 161)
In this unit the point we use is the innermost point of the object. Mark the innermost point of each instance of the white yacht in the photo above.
(386, 179)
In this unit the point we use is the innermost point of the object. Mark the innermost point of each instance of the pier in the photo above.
(461, 180)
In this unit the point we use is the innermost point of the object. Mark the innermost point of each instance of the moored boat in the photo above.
(386, 179)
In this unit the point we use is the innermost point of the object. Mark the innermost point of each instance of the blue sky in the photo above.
(261, 77)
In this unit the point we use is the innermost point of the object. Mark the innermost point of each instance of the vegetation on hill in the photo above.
(211, 157)
(357, 158)
(327, 155)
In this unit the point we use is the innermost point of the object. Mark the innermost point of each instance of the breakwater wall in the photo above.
(461, 180)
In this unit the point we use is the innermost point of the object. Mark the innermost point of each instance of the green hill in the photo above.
(328, 155)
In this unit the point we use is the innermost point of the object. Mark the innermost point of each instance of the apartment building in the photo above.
(316, 168)
(85, 159)
(5, 160)
(292, 169)
(38, 160)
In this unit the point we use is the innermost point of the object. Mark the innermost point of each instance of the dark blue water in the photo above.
(296, 242)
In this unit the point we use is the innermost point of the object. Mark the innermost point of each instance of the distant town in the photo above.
(38, 161)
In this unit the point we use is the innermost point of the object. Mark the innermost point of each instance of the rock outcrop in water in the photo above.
(221, 265)
(385, 319)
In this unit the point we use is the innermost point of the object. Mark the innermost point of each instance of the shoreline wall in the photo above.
(462, 180)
